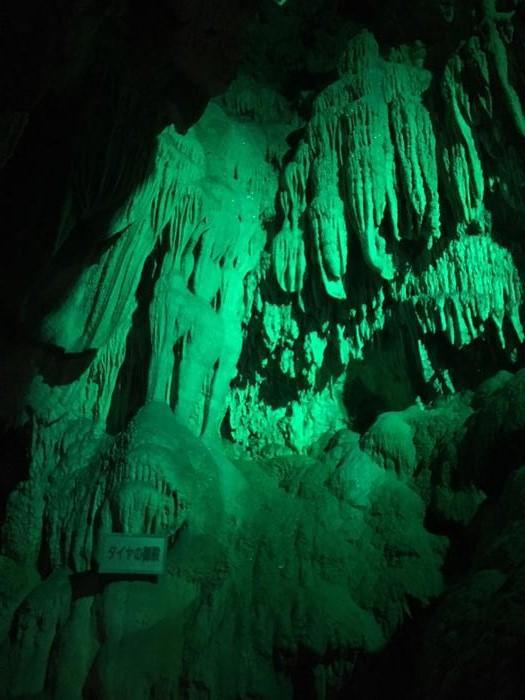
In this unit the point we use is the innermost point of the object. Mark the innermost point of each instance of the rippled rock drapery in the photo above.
(363, 243)
(258, 325)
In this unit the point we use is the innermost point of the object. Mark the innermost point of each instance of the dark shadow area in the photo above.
(90, 583)
(93, 87)
(386, 380)
(59, 368)
(14, 447)
(473, 363)
(362, 403)
(131, 386)
(390, 673)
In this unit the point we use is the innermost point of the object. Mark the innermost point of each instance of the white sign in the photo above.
(131, 554)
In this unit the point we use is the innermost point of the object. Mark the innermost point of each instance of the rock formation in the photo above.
(262, 288)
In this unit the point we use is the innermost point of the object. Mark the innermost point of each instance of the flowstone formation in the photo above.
(271, 311)
(281, 558)
(363, 245)
(195, 222)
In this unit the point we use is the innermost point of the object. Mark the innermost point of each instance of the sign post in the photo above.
(120, 553)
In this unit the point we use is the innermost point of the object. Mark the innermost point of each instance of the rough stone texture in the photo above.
(261, 287)
(282, 558)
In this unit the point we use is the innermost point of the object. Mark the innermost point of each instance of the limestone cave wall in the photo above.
(262, 294)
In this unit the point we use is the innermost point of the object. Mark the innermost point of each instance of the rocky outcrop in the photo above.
(285, 557)
(254, 314)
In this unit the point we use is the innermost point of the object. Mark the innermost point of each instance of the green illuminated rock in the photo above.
(372, 115)
(276, 318)
(289, 555)
(472, 282)
(461, 158)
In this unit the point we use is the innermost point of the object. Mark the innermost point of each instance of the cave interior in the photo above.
(262, 404)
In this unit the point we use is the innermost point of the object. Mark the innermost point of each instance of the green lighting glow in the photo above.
(288, 340)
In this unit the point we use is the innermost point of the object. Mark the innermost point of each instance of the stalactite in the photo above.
(415, 148)
(282, 273)
(369, 183)
(369, 145)
(475, 280)
(288, 248)
(327, 219)
(289, 258)
(461, 157)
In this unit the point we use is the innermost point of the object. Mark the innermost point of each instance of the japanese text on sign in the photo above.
(132, 554)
